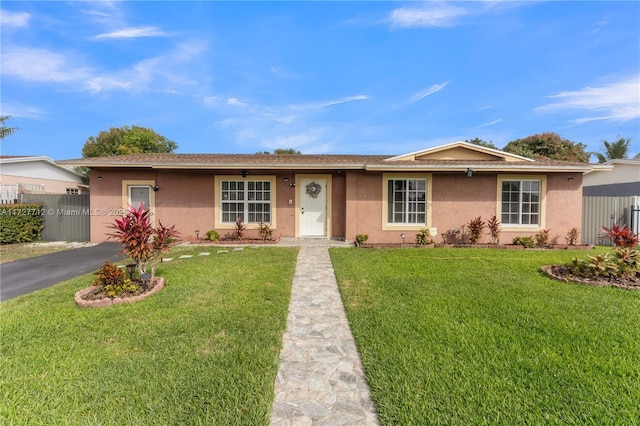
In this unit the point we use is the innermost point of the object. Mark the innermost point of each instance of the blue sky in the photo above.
(321, 77)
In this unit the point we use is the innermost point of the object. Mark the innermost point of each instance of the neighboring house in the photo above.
(611, 194)
(36, 175)
(340, 196)
(622, 179)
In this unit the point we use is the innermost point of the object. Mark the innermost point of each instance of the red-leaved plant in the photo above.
(140, 241)
(621, 236)
(494, 229)
(475, 229)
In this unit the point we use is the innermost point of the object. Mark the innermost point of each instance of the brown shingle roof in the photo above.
(312, 161)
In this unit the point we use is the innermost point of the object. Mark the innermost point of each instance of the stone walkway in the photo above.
(321, 380)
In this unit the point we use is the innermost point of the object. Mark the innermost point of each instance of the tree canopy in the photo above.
(4, 130)
(481, 142)
(126, 140)
(277, 151)
(548, 145)
(614, 150)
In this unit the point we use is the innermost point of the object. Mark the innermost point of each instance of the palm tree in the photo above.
(613, 150)
(4, 130)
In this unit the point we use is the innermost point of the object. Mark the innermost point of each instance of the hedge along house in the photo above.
(340, 196)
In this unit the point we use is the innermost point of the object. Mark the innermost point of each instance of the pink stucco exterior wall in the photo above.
(186, 199)
(457, 199)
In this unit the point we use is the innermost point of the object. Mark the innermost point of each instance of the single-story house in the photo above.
(36, 175)
(389, 198)
(621, 179)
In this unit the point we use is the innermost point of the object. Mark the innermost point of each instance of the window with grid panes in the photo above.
(407, 201)
(521, 202)
(247, 200)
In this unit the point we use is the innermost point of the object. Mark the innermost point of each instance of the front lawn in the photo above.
(479, 336)
(18, 251)
(203, 351)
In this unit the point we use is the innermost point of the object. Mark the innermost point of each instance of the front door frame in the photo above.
(301, 192)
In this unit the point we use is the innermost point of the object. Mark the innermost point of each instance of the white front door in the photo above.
(313, 207)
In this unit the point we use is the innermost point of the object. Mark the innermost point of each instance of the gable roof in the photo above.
(457, 151)
(24, 159)
(456, 156)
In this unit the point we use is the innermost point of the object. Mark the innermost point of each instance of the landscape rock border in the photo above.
(561, 273)
(83, 303)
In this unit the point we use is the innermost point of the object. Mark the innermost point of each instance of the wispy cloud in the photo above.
(267, 127)
(416, 97)
(618, 101)
(236, 102)
(491, 123)
(329, 103)
(14, 19)
(19, 110)
(132, 32)
(163, 73)
(438, 14)
(433, 14)
(41, 65)
(601, 24)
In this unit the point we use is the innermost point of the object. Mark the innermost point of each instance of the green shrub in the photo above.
(526, 242)
(213, 235)
(623, 264)
(626, 260)
(113, 280)
(20, 223)
(542, 238)
(423, 237)
(361, 238)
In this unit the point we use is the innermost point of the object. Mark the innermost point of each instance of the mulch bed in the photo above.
(94, 297)
(243, 241)
(493, 246)
(562, 273)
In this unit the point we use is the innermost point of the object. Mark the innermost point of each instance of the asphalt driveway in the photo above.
(25, 276)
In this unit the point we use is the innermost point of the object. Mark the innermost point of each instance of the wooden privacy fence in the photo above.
(66, 217)
(605, 211)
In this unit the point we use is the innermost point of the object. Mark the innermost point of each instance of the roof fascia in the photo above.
(44, 159)
(604, 167)
(183, 166)
(481, 168)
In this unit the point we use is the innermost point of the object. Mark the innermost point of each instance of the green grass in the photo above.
(203, 351)
(479, 336)
(18, 251)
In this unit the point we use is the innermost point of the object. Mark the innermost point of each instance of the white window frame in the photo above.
(386, 178)
(541, 203)
(73, 191)
(219, 201)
